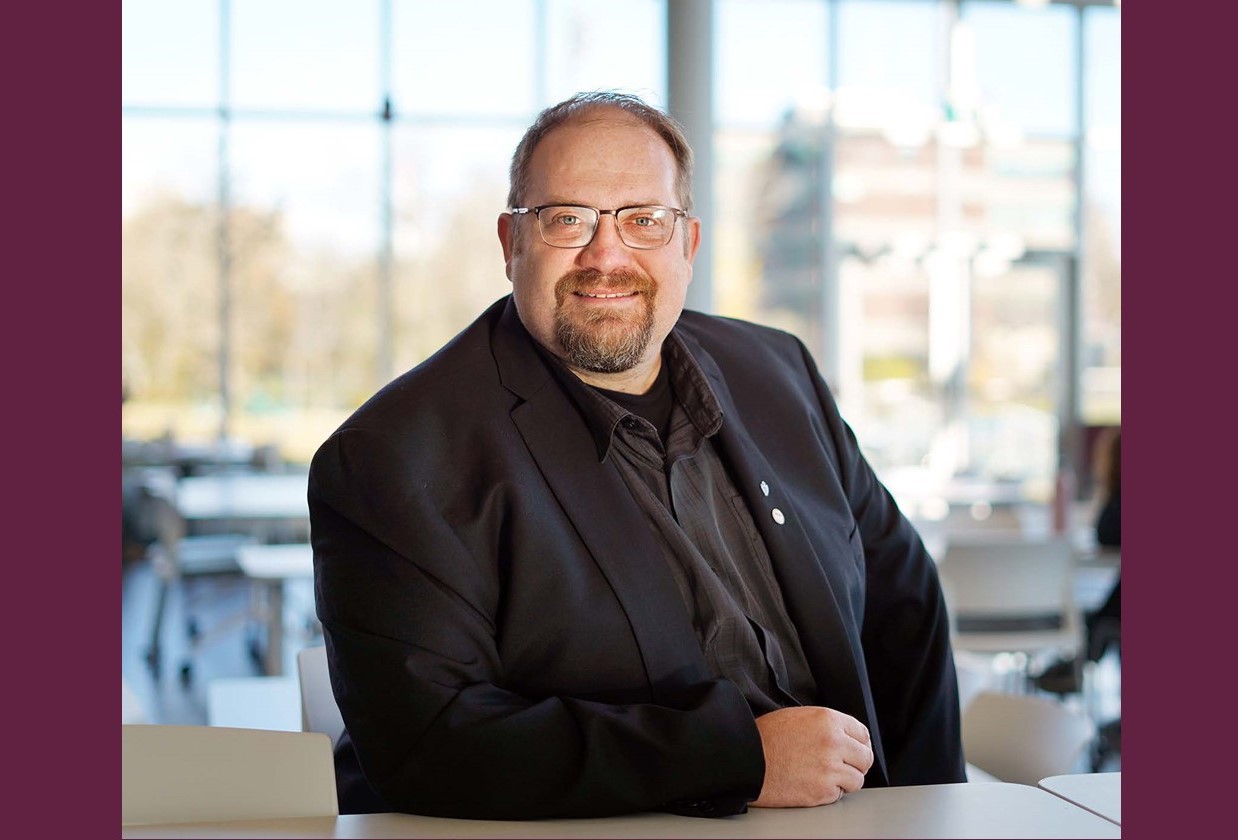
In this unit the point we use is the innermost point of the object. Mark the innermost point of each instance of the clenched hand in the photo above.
(813, 755)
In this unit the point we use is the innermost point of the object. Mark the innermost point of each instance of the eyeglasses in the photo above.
(571, 226)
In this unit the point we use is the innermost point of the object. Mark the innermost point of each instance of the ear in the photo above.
(507, 238)
(691, 237)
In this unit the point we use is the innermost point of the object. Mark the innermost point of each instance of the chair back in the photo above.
(1011, 594)
(1007, 576)
(319, 712)
(173, 774)
(1022, 738)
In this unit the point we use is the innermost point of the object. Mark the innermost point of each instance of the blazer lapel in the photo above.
(602, 510)
(832, 646)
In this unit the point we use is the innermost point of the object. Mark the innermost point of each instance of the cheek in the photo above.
(533, 287)
(674, 287)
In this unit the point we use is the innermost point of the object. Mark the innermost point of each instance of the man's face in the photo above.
(605, 307)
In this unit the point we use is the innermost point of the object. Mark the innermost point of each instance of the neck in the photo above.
(635, 380)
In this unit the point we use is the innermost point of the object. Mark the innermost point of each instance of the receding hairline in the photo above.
(584, 109)
(607, 113)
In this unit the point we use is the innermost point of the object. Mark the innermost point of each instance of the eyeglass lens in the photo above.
(639, 227)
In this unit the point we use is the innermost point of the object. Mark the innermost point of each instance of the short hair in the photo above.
(579, 105)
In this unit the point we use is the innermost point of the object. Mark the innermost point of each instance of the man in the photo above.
(599, 555)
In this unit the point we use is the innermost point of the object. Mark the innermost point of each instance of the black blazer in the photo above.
(504, 638)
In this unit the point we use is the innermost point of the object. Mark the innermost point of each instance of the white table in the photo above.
(1100, 793)
(254, 501)
(269, 506)
(962, 810)
(268, 566)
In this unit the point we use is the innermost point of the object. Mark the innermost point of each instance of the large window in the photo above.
(310, 191)
(925, 191)
(906, 200)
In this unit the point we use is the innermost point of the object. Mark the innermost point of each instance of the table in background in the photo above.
(256, 503)
(272, 508)
(268, 566)
(961, 810)
(1100, 793)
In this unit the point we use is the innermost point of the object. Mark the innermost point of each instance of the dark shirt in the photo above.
(710, 543)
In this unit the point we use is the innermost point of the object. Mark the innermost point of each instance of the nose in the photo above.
(606, 252)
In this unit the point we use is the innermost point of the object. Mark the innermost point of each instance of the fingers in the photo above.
(852, 726)
(854, 745)
(813, 756)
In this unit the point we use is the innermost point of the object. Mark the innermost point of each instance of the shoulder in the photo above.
(738, 346)
(719, 331)
(459, 381)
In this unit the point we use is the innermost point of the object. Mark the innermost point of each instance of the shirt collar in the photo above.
(688, 382)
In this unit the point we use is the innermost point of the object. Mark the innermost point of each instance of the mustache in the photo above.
(621, 279)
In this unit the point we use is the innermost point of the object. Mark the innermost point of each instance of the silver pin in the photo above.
(764, 488)
(778, 517)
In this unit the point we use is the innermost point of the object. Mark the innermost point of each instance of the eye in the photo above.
(565, 220)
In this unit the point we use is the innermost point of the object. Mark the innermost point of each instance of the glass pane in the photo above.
(1014, 376)
(741, 158)
(769, 58)
(451, 185)
(305, 228)
(885, 306)
(1102, 252)
(606, 46)
(322, 177)
(168, 155)
(1027, 191)
(1024, 65)
(169, 279)
(892, 51)
(170, 53)
(306, 54)
(463, 58)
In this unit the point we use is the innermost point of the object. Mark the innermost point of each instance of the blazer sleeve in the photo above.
(411, 614)
(905, 634)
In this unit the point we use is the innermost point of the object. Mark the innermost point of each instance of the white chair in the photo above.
(319, 712)
(1022, 739)
(1011, 594)
(175, 774)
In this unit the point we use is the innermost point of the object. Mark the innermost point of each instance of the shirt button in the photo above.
(778, 517)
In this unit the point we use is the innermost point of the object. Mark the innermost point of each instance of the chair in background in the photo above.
(1022, 739)
(319, 712)
(181, 563)
(1011, 595)
(191, 773)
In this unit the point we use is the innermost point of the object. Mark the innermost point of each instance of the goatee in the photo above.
(598, 340)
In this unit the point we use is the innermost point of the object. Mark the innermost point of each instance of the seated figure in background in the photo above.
(1103, 625)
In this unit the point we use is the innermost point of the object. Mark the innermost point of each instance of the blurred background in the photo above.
(927, 192)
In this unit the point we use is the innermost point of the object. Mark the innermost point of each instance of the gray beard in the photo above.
(603, 347)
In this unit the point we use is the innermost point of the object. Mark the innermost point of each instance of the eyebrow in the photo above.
(574, 203)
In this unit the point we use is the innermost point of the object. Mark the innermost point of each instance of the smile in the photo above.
(608, 296)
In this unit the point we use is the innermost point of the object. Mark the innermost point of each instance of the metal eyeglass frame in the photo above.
(536, 211)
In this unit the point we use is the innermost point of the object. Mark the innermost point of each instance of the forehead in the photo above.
(601, 157)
